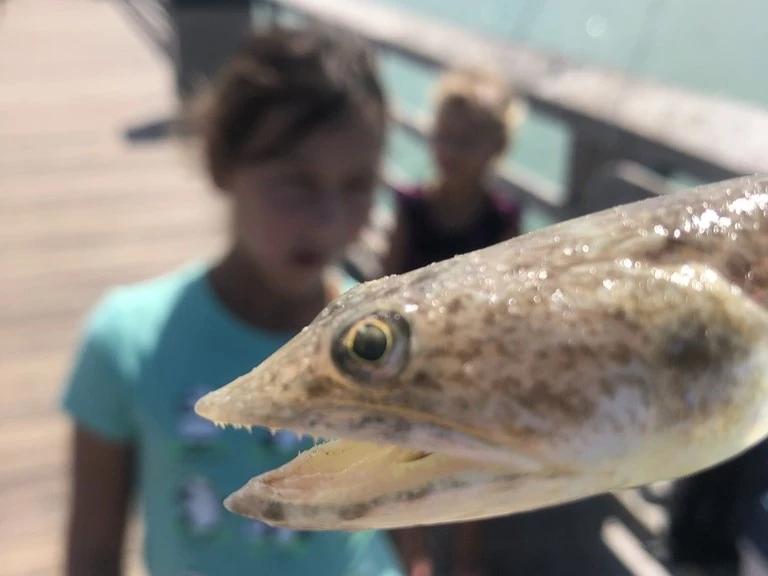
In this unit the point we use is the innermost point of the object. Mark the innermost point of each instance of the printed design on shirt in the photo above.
(261, 534)
(200, 435)
(200, 510)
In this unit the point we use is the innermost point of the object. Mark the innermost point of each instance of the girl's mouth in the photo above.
(306, 258)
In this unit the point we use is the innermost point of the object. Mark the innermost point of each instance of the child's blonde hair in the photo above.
(482, 88)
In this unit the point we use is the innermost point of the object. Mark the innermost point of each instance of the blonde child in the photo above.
(476, 118)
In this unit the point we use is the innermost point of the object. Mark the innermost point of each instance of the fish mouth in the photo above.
(353, 483)
(386, 467)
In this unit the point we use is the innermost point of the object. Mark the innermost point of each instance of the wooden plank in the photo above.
(165, 248)
(63, 231)
(23, 556)
(102, 186)
(31, 507)
(709, 136)
(68, 154)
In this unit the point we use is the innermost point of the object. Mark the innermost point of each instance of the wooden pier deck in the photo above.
(83, 206)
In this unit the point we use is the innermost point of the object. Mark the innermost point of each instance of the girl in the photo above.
(458, 212)
(293, 135)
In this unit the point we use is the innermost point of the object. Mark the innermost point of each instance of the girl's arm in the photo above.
(101, 488)
(98, 398)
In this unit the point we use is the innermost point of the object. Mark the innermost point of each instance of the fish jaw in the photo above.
(348, 485)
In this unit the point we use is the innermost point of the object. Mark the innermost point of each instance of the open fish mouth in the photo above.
(357, 485)
(438, 474)
(424, 471)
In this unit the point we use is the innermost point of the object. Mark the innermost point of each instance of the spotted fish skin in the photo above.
(622, 347)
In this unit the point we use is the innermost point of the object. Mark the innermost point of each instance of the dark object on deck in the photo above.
(150, 132)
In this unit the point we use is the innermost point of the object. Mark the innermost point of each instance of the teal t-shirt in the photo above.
(149, 351)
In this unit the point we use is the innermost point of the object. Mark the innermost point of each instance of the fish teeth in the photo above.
(272, 431)
(225, 425)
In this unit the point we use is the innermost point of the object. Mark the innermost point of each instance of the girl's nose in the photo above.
(323, 217)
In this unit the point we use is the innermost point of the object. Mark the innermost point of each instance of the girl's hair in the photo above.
(480, 88)
(318, 73)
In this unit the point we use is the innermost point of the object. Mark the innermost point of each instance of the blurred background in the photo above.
(628, 99)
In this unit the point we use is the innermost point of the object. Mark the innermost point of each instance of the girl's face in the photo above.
(294, 214)
(465, 139)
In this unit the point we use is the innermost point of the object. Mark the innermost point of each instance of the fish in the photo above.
(606, 352)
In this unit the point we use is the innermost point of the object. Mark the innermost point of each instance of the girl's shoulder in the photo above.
(126, 311)
(118, 333)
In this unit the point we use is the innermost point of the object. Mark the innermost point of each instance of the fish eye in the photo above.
(374, 348)
(369, 340)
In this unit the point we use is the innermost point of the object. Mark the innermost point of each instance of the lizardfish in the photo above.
(606, 352)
